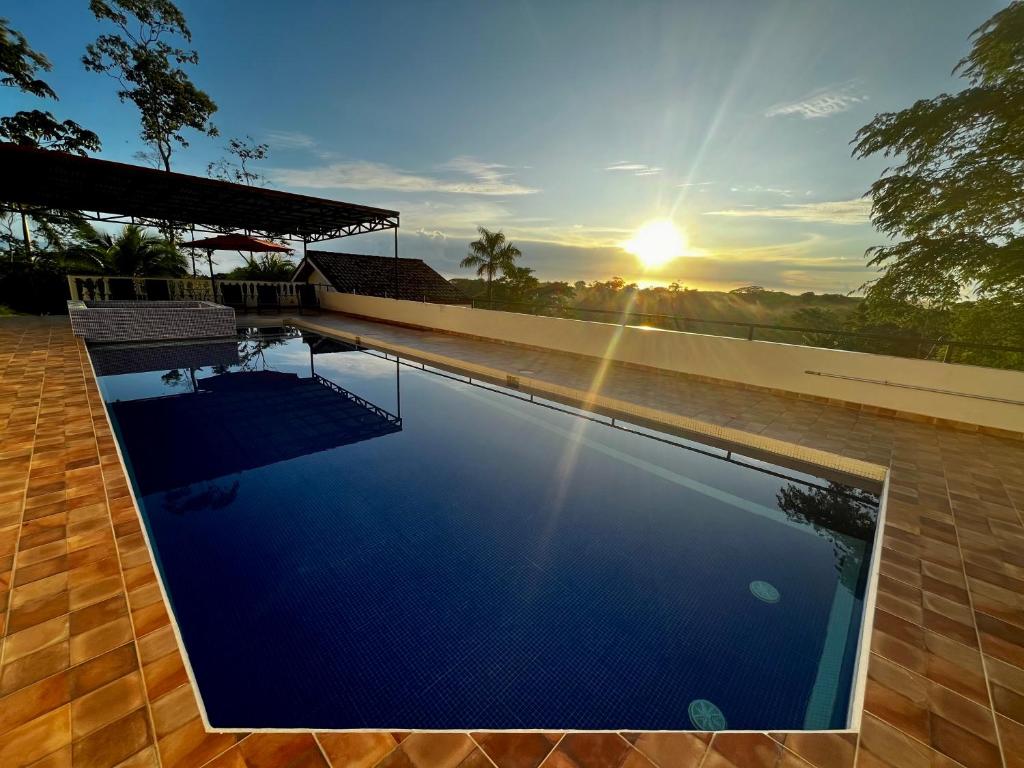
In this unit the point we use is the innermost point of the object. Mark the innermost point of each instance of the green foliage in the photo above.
(133, 252)
(273, 267)
(36, 128)
(149, 71)
(489, 255)
(954, 205)
(20, 64)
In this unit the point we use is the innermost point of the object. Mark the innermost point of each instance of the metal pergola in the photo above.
(106, 191)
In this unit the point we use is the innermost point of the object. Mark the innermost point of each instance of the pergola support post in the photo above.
(396, 262)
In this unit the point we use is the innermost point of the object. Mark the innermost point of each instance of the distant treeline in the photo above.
(828, 320)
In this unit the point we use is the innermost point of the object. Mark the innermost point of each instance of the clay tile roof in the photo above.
(375, 276)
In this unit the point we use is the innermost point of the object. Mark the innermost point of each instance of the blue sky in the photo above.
(567, 124)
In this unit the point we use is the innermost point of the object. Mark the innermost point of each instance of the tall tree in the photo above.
(20, 67)
(236, 167)
(954, 203)
(148, 69)
(489, 255)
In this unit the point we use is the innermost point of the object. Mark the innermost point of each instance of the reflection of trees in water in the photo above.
(174, 379)
(251, 348)
(196, 499)
(842, 515)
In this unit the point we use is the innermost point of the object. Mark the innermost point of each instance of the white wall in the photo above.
(765, 364)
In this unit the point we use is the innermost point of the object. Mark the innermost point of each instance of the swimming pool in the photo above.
(349, 540)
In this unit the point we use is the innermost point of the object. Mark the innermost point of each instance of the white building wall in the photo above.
(973, 395)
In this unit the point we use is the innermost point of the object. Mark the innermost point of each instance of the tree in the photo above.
(819, 319)
(954, 204)
(20, 67)
(133, 252)
(519, 283)
(489, 255)
(265, 266)
(149, 71)
(246, 150)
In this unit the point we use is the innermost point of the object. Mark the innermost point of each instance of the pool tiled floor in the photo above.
(91, 674)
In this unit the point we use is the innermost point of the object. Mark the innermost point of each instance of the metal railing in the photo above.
(105, 287)
(946, 350)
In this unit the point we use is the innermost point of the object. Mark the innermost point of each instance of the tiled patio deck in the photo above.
(90, 672)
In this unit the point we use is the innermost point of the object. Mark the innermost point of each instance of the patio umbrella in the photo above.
(233, 242)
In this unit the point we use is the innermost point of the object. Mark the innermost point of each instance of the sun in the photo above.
(656, 243)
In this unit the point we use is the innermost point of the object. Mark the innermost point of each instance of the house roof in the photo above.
(375, 276)
(109, 191)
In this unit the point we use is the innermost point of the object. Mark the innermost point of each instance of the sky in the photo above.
(567, 125)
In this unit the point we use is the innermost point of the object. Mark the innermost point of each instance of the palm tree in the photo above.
(133, 252)
(266, 266)
(490, 254)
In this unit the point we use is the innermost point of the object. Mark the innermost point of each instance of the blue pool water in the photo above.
(349, 541)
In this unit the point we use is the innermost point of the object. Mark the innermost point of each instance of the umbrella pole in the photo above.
(213, 282)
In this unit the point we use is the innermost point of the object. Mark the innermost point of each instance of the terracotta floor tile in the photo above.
(35, 666)
(635, 759)
(822, 750)
(164, 675)
(36, 638)
(356, 750)
(396, 759)
(514, 750)
(232, 758)
(100, 670)
(437, 750)
(190, 745)
(174, 709)
(275, 750)
(34, 701)
(144, 758)
(594, 750)
(113, 743)
(743, 750)
(98, 614)
(106, 704)
(157, 644)
(36, 738)
(101, 639)
(58, 759)
(668, 750)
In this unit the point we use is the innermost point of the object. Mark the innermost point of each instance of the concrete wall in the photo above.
(970, 394)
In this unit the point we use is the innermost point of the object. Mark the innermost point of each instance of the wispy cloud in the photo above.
(289, 140)
(636, 169)
(821, 103)
(687, 184)
(462, 175)
(830, 212)
(759, 189)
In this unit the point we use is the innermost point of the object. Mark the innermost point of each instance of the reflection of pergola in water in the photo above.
(240, 421)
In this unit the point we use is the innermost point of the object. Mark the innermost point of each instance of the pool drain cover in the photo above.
(762, 590)
(706, 716)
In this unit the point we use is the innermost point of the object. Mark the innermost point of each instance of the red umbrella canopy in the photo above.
(236, 242)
